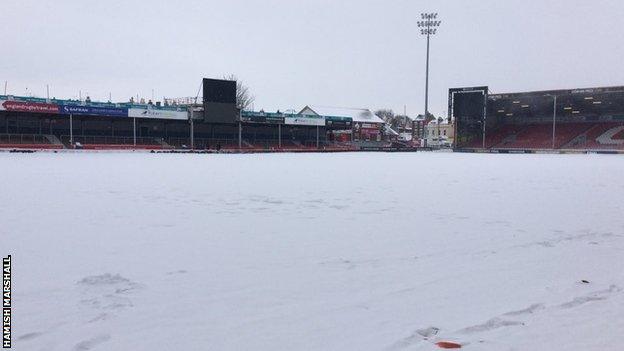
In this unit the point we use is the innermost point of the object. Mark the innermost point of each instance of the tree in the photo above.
(244, 99)
(386, 114)
(430, 117)
(401, 121)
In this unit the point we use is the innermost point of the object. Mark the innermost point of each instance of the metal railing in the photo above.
(225, 143)
(109, 140)
(23, 139)
(204, 143)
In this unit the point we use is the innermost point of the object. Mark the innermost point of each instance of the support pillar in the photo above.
(240, 135)
(71, 130)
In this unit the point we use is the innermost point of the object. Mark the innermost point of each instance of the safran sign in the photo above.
(93, 111)
(158, 114)
(23, 106)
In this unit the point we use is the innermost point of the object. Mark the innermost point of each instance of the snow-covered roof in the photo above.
(390, 131)
(362, 115)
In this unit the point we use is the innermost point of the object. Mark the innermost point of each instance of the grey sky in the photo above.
(353, 53)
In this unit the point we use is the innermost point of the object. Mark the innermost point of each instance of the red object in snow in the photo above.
(448, 345)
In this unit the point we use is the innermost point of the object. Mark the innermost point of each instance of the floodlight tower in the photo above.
(428, 26)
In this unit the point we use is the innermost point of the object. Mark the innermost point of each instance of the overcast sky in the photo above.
(351, 53)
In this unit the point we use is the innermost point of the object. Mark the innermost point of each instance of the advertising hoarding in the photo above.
(25, 106)
(157, 114)
(305, 121)
(93, 110)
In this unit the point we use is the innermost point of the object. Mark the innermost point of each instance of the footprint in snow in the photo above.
(91, 343)
(494, 323)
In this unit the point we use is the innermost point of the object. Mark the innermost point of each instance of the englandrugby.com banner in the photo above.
(25, 106)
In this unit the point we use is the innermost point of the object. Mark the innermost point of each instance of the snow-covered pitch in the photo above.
(121, 251)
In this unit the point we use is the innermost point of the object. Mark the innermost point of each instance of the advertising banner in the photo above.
(268, 119)
(305, 121)
(157, 114)
(339, 122)
(24, 106)
(93, 111)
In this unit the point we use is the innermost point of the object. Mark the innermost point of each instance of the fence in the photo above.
(23, 139)
(108, 140)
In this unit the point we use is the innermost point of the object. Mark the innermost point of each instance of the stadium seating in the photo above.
(502, 135)
(26, 141)
(495, 137)
(120, 147)
(535, 136)
(595, 138)
(539, 136)
(112, 143)
(566, 132)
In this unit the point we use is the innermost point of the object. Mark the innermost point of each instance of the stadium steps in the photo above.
(578, 139)
(587, 140)
(163, 143)
(510, 138)
(54, 140)
(606, 138)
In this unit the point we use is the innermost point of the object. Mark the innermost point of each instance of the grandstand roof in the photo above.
(362, 115)
(560, 92)
(607, 101)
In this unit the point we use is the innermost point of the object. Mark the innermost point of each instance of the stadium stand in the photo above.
(93, 125)
(568, 136)
(111, 143)
(599, 137)
(539, 136)
(26, 141)
(584, 119)
(498, 137)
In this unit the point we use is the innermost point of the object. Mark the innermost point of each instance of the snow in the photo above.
(354, 251)
(359, 115)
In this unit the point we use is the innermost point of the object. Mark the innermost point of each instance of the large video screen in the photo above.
(220, 101)
(217, 90)
(467, 106)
